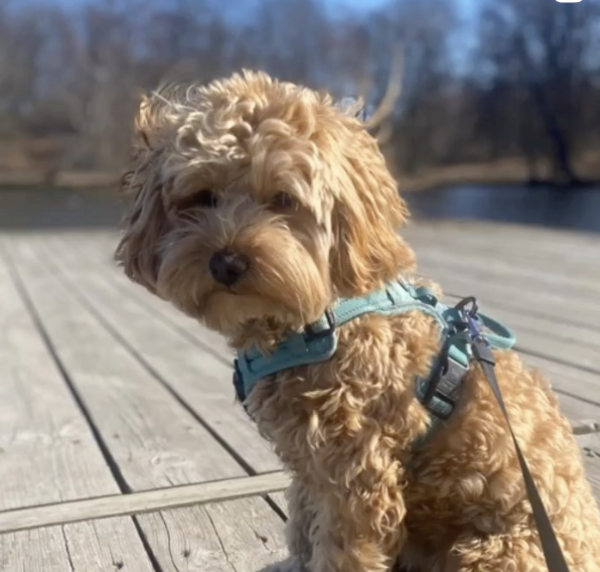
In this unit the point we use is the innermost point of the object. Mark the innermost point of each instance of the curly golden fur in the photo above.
(278, 175)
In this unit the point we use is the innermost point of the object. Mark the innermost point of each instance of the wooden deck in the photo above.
(121, 447)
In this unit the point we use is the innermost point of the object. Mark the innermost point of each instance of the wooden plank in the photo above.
(95, 252)
(564, 305)
(552, 330)
(215, 538)
(504, 267)
(201, 379)
(48, 454)
(87, 547)
(142, 502)
(568, 380)
(538, 335)
(236, 538)
(134, 413)
(582, 279)
(47, 451)
(515, 276)
(590, 446)
(536, 246)
(92, 352)
(539, 238)
(174, 318)
(560, 307)
(534, 334)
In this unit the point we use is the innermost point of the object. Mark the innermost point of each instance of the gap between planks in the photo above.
(142, 502)
(171, 498)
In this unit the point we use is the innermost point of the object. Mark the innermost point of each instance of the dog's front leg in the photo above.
(345, 542)
(358, 526)
(299, 527)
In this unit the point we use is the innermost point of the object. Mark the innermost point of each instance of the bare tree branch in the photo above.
(392, 92)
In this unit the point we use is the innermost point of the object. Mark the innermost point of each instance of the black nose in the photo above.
(226, 266)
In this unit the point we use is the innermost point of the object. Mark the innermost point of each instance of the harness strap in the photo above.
(462, 332)
(555, 560)
(318, 342)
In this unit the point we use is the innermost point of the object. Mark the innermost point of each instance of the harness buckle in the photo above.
(471, 321)
(464, 304)
(311, 333)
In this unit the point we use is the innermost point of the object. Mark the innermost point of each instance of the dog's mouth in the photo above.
(228, 287)
(219, 294)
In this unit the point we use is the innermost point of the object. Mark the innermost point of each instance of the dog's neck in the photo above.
(264, 334)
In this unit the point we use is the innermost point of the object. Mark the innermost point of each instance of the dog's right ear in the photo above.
(146, 220)
(367, 250)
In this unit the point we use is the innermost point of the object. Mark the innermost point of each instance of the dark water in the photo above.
(58, 208)
(577, 209)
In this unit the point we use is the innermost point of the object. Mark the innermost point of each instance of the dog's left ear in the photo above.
(367, 214)
(146, 219)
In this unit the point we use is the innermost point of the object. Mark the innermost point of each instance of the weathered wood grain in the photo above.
(150, 345)
(95, 253)
(47, 451)
(590, 446)
(201, 379)
(535, 334)
(104, 546)
(155, 441)
(181, 449)
(538, 302)
(48, 454)
(236, 538)
(577, 390)
(535, 247)
(508, 268)
(142, 502)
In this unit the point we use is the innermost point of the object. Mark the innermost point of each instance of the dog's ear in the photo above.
(144, 226)
(146, 220)
(367, 214)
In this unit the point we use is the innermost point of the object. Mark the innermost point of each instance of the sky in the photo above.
(466, 12)
(466, 9)
(332, 5)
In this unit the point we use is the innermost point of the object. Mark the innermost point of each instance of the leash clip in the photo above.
(469, 309)
(474, 329)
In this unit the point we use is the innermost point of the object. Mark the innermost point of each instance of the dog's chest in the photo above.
(365, 393)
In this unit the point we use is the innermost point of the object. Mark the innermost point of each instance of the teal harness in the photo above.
(438, 392)
(463, 340)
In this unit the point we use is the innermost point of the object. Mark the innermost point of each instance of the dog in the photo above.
(256, 204)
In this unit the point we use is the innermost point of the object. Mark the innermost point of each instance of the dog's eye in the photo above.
(205, 199)
(283, 201)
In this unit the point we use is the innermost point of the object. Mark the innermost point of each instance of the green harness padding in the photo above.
(318, 343)
(463, 340)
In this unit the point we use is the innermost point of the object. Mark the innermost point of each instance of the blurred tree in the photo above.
(70, 78)
(427, 29)
(540, 55)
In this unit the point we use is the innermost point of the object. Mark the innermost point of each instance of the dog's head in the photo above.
(256, 199)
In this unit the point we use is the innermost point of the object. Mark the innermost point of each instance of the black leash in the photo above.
(482, 352)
